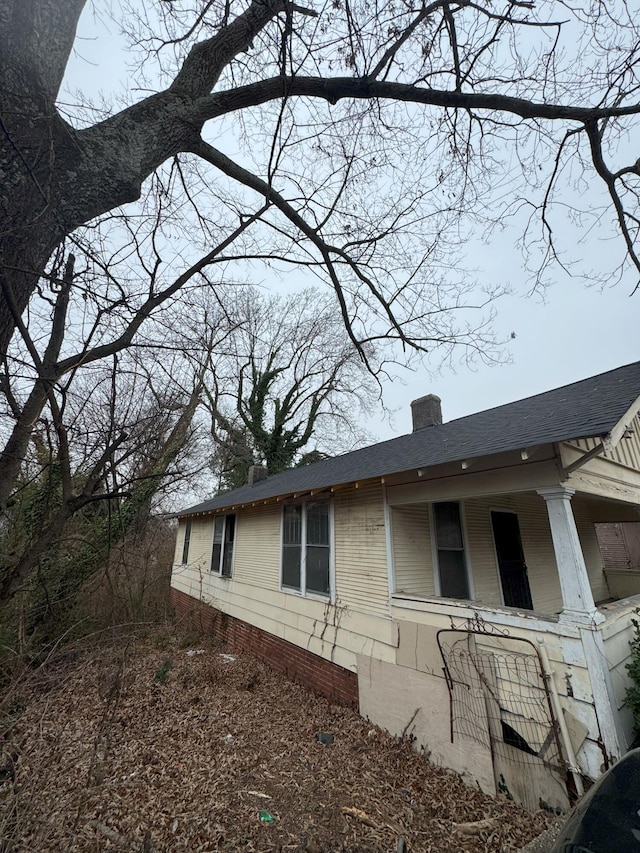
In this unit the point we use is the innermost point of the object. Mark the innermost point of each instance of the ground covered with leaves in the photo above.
(154, 744)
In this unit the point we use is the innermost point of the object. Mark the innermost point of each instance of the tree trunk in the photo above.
(56, 178)
(36, 39)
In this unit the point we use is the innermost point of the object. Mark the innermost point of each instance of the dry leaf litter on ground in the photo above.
(144, 745)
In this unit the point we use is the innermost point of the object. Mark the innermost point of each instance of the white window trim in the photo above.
(465, 545)
(302, 592)
(185, 547)
(218, 571)
(391, 560)
(332, 551)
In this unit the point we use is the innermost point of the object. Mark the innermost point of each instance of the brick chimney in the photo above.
(426, 412)
(256, 474)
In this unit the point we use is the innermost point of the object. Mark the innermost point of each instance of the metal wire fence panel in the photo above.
(498, 696)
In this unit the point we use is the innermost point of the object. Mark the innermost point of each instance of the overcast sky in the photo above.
(578, 333)
(575, 333)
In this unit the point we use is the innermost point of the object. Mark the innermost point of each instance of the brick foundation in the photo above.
(314, 672)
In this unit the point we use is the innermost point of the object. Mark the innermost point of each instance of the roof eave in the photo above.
(625, 423)
(279, 498)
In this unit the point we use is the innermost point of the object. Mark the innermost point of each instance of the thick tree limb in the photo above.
(36, 39)
(335, 89)
(208, 59)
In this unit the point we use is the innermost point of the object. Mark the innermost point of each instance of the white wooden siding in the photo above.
(335, 632)
(413, 557)
(537, 546)
(257, 548)
(482, 557)
(200, 544)
(177, 556)
(413, 562)
(412, 554)
(357, 623)
(361, 549)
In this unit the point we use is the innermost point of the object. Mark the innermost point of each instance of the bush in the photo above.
(632, 695)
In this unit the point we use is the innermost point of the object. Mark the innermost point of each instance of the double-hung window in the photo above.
(450, 552)
(224, 534)
(306, 548)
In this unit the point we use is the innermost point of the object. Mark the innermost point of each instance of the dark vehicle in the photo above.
(607, 819)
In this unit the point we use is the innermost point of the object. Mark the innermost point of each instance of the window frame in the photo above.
(303, 589)
(186, 542)
(224, 542)
(464, 550)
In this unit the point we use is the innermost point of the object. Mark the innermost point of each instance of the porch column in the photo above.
(577, 599)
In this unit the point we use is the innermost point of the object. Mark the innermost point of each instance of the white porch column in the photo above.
(577, 599)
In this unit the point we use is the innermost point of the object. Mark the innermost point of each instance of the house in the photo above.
(448, 582)
(620, 549)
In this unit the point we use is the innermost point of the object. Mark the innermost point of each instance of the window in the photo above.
(187, 540)
(306, 549)
(224, 534)
(449, 543)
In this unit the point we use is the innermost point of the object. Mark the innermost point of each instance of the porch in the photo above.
(540, 598)
(526, 704)
(529, 550)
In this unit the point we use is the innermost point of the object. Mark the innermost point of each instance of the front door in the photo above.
(513, 570)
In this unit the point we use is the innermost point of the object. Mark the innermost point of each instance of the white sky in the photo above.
(576, 333)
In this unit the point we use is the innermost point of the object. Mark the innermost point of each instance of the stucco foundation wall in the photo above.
(405, 701)
(418, 623)
(324, 677)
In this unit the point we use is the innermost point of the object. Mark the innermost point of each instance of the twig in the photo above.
(408, 726)
(476, 827)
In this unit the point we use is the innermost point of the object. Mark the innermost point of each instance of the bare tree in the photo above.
(370, 138)
(102, 461)
(288, 374)
(346, 91)
(109, 314)
(96, 436)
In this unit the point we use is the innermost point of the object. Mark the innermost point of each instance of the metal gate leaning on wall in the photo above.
(500, 699)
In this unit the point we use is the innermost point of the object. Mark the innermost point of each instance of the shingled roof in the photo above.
(589, 408)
